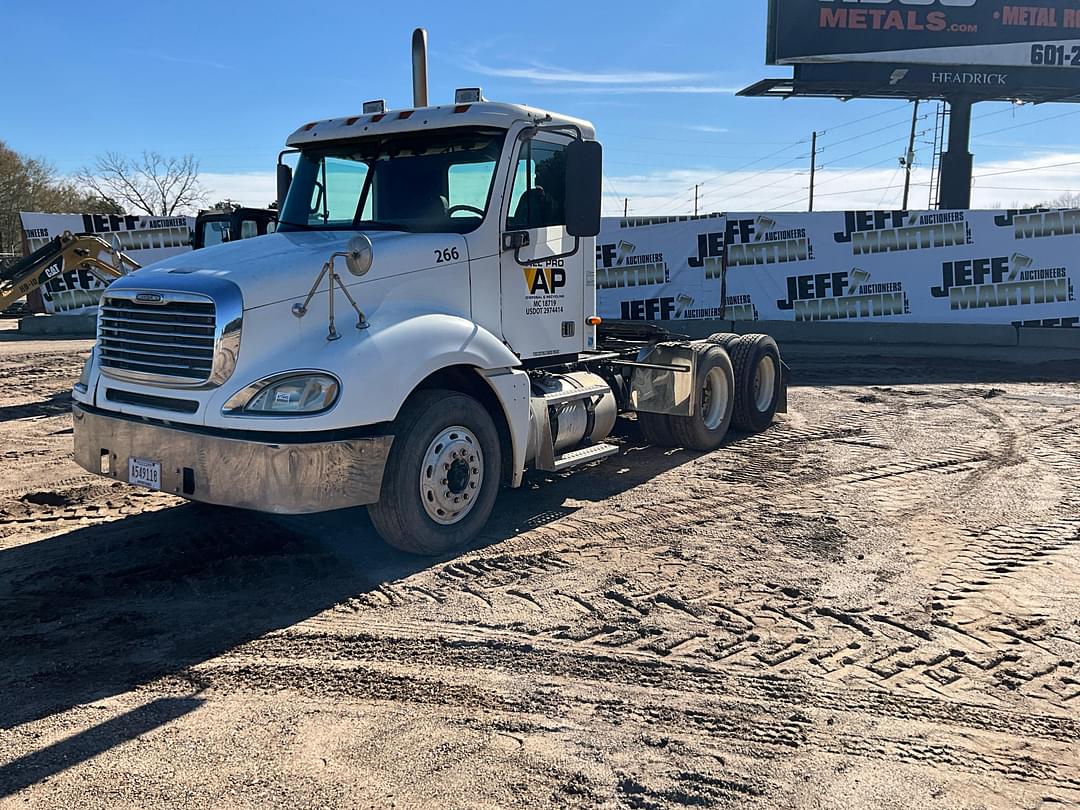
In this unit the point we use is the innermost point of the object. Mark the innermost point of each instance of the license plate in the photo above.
(143, 473)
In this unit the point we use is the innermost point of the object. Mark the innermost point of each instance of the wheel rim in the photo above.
(714, 398)
(764, 383)
(451, 476)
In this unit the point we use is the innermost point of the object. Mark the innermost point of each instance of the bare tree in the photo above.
(1070, 199)
(152, 185)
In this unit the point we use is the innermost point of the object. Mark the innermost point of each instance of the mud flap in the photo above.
(785, 378)
(664, 380)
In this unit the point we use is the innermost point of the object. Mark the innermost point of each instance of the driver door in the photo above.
(542, 297)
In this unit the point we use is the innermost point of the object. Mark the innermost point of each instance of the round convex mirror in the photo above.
(359, 254)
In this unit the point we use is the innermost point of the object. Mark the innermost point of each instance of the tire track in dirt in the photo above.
(675, 700)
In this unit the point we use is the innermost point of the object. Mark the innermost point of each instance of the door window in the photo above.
(538, 196)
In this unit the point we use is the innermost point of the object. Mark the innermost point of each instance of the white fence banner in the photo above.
(145, 239)
(992, 267)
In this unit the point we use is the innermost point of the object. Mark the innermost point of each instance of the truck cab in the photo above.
(218, 227)
(420, 329)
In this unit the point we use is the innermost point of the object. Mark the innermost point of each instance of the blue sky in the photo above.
(228, 82)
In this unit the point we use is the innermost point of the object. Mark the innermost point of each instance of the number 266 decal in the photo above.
(447, 255)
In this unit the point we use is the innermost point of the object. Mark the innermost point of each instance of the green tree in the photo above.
(32, 184)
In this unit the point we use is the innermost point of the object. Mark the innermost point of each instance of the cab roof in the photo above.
(484, 113)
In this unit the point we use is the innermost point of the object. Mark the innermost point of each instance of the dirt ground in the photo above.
(876, 603)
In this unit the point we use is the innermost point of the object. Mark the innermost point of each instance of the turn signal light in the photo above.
(594, 321)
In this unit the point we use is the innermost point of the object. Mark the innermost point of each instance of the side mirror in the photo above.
(284, 180)
(584, 181)
(359, 254)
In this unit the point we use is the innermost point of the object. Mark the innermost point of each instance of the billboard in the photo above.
(145, 239)
(1036, 33)
(977, 267)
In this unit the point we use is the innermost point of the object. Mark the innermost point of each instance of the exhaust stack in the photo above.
(419, 68)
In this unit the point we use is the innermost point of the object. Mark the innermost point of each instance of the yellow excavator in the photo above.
(66, 252)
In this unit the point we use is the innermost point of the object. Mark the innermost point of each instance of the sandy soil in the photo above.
(876, 603)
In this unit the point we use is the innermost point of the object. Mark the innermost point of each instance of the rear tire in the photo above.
(723, 339)
(706, 429)
(656, 429)
(756, 361)
(443, 474)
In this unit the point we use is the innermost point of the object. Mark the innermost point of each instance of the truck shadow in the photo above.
(106, 608)
(55, 405)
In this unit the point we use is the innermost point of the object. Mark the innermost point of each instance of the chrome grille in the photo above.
(173, 340)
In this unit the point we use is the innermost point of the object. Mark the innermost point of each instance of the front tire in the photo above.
(442, 477)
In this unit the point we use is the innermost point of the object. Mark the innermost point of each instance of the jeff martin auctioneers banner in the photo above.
(989, 267)
(145, 239)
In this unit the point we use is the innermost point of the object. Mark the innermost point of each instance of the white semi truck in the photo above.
(420, 331)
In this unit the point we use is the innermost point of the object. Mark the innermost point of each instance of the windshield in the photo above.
(420, 182)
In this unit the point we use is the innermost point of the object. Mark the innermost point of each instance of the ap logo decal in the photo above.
(544, 280)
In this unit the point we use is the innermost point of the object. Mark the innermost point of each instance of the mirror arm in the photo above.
(517, 254)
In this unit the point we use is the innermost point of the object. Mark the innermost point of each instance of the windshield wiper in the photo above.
(303, 225)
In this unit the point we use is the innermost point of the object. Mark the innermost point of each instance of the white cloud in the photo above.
(671, 191)
(257, 189)
(638, 89)
(708, 128)
(178, 60)
(549, 74)
(1024, 181)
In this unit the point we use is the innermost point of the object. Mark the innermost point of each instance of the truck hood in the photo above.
(282, 266)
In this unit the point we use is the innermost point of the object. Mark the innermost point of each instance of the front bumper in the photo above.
(285, 477)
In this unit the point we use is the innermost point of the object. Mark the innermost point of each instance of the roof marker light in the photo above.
(404, 114)
(375, 107)
(468, 95)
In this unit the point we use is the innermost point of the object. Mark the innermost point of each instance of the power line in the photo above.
(771, 155)
(845, 124)
(892, 182)
(1028, 124)
(1028, 169)
(743, 181)
(866, 134)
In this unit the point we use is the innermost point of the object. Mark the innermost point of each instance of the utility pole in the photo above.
(695, 198)
(813, 167)
(625, 207)
(909, 158)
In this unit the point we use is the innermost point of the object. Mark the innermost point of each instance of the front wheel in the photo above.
(443, 474)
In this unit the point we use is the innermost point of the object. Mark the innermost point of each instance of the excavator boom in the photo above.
(64, 253)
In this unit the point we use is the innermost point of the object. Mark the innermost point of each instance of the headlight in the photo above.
(83, 385)
(285, 395)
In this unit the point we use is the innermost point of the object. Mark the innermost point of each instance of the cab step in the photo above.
(576, 458)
